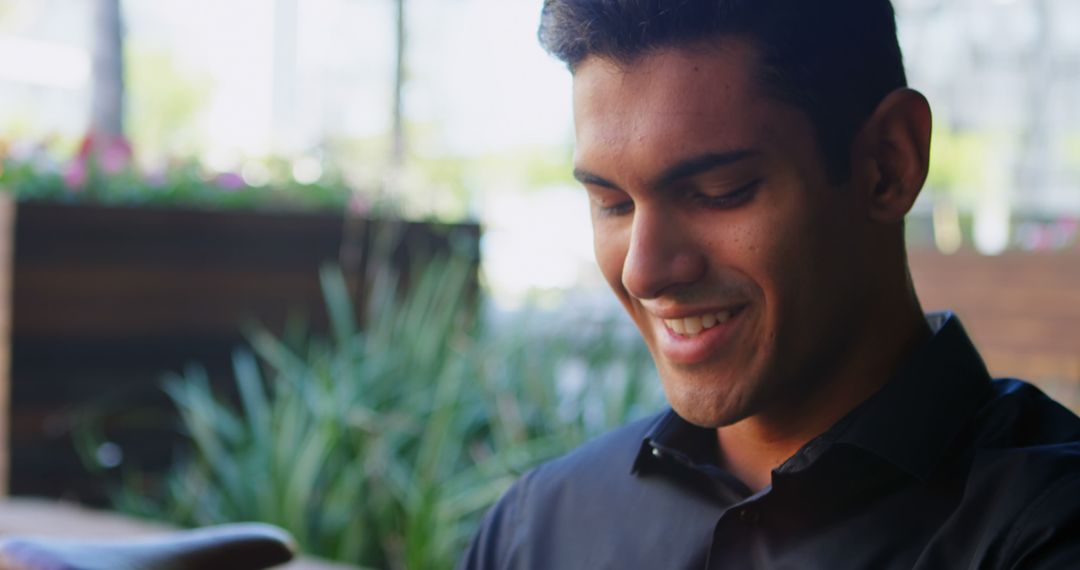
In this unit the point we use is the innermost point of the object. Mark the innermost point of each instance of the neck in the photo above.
(752, 448)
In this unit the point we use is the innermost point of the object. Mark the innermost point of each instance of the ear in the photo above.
(894, 154)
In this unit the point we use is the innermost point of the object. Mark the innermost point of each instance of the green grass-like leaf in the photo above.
(384, 444)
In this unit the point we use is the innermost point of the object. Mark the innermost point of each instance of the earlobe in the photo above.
(898, 147)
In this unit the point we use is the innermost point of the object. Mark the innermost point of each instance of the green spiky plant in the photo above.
(383, 445)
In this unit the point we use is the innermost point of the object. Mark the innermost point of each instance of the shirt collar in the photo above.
(671, 437)
(910, 422)
(913, 420)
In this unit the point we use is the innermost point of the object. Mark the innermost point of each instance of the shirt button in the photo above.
(657, 453)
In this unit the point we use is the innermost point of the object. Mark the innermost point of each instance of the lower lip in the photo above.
(680, 349)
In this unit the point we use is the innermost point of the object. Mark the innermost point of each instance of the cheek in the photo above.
(800, 273)
(777, 254)
(759, 247)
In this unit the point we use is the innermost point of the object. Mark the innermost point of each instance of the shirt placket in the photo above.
(737, 537)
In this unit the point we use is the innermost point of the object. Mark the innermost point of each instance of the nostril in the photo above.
(651, 278)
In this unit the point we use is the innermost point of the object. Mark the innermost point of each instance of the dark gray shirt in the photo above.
(943, 468)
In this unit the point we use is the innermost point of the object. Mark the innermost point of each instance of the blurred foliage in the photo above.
(184, 183)
(451, 183)
(164, 102)
(958, 163)
(383, 445)
(434, 187)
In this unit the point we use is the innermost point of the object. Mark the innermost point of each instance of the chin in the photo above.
(709, 405)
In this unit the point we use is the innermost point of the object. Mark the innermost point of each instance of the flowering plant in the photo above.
(103, 171)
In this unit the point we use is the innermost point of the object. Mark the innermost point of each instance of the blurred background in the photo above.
(322, 263)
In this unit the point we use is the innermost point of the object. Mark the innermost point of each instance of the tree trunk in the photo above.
(397, 153)
(107, 98)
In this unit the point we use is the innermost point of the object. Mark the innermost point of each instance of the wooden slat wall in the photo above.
(1021, 309)
(107, 299)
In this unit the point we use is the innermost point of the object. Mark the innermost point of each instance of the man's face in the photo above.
(717, 227)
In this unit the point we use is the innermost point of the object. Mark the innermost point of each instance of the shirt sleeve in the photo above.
(490, 546)
(1047, 535)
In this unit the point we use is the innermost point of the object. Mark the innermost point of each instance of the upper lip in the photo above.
(673, 313)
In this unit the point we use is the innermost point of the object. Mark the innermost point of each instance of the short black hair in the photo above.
(836, 60)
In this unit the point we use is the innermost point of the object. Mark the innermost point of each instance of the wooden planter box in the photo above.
(105, 300)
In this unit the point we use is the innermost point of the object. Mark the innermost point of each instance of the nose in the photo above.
(661, 257)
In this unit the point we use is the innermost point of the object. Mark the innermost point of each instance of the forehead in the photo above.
(674, 102)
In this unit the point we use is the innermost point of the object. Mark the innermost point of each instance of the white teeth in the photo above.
(677, 326)
(692, 326)
(708, 321)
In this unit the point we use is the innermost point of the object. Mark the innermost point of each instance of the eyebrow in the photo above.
(684, 169)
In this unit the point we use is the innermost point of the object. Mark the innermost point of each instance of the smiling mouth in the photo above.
(695, 325)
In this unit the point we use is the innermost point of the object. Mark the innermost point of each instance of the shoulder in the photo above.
(1025, 440)
(1046, 531)
(1027, 466)
(596, 469)
(612, 454)
(549, 498)
(1018, 415)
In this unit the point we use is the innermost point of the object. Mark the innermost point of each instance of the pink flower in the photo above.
(75, 175)
(359, 204)
(111, 152)
(229, 181)
(115, 156)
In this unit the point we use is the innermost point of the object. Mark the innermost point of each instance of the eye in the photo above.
(727, 200)
(621, 209)
(609, 202)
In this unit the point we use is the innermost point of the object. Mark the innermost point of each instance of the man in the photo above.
(750, 164)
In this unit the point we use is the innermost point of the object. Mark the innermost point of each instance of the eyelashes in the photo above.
(620, 209)
(726, 201)
(729, 200)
